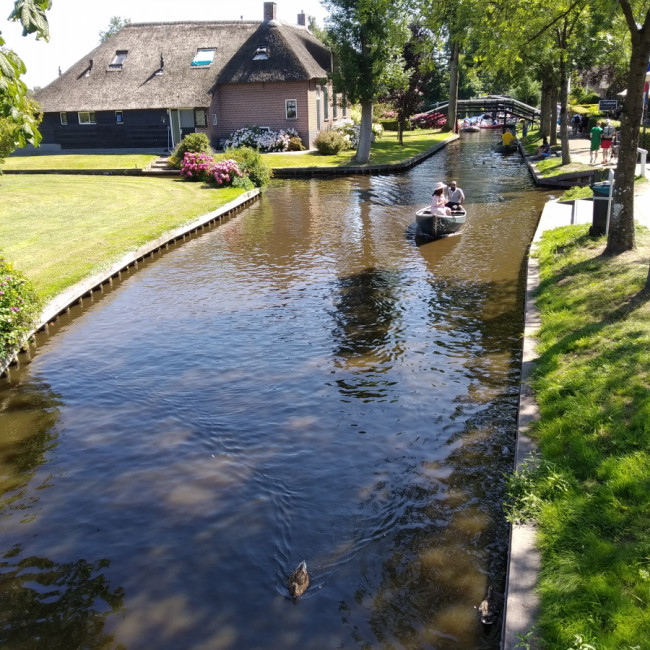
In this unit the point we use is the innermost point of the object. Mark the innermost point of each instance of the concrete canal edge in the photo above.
(75, 294)
(524, 560)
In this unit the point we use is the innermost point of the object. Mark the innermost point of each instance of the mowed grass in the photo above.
(78, 161)
(593, 386)
(60, 229)
(384, 151)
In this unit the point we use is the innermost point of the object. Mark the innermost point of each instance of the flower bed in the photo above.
(262, 139)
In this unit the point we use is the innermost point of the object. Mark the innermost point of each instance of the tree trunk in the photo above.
(621, 226)
(365, 134)
(553, 112)
(452, 111)
(545, 106)
(400, 129)
(564, 124)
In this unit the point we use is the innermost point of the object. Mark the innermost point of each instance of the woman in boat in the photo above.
(438, 203)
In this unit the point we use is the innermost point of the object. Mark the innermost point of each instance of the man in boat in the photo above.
(455, 196)
(507, 138)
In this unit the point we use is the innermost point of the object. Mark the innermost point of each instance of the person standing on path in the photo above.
(606, 141)
(596, 132)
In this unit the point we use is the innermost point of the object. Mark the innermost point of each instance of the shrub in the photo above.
(250, 162)
(590, 98)
(192, 143)
(330, 143)
(295, 144)
(201, 167)
(255, 137)
(19, 308)
(350, 130)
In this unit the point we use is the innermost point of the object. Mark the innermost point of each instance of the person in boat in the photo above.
(455, 196)
(438, 203)
(508, 138)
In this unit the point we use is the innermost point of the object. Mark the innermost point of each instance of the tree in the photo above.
(367, 38)
(114, 25)
(621, 227)
(14, 104)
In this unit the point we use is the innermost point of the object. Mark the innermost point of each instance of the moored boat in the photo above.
(438, 226)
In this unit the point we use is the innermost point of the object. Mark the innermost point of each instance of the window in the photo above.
(261, 53)
(118, 60)
(200, 117)
(291, 109)
(64, 119)
(119, 117)
(326, 103)
(86, 117)
(214, 119)
(203, 58)
(335, 107)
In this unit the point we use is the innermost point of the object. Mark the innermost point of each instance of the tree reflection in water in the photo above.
(44, 604)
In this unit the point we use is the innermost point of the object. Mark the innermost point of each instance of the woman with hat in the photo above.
(438, 202)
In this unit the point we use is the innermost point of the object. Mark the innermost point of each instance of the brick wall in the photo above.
(256, 104)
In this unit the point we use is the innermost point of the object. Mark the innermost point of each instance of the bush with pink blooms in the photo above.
(202, 167)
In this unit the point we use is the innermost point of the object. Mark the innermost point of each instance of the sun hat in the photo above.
(607, 121)
(439, 186)
(452, 182)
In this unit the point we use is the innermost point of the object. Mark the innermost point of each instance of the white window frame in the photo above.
(119, 117)
(63, 116)
(89, 120)
(326, 103)
(118, 60)
(287, 103)
(195, 64)
(214, 119)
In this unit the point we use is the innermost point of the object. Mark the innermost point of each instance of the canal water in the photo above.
(308, 381)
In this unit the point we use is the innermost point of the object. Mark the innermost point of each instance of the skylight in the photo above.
(203, 57)
(261, 53)
(118, 59)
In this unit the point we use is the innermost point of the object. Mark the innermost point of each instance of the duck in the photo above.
(299, 580)
(489, 608)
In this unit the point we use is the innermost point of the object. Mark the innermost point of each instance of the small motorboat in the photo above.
(486, 125)
(470, 128)
(437, 226)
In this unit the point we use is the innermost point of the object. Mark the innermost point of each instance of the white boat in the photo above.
(438, 226)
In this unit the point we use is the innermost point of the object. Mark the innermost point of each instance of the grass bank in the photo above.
(60, 229)
(78, 161)
(385, 150)
(591, 491)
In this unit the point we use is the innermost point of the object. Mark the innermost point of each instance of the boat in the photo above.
(470, 128)
(485, 125)
(438, 226)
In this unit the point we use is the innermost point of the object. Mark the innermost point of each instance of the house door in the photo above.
(182, 123)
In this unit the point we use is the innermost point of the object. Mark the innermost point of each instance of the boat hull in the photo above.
(436, 226)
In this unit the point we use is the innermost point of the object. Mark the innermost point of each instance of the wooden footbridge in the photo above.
(492, 104)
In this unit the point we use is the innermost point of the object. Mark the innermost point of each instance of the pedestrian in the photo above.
(584, 126)
(524, 130)
(596, 132)
(606, 141)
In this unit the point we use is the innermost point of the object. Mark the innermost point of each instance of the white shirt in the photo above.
(455, 195)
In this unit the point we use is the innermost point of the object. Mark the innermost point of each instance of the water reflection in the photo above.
(303, 382)
(53, 605)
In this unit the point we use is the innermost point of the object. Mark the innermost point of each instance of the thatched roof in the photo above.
(293, 55)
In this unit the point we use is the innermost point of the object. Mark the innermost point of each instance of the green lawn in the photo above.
(591, 492)
(58, 229)
(385, 150)
(78, 161)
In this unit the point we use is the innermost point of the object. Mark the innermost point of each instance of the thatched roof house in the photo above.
(152, 83)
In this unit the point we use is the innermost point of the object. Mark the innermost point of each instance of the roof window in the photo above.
(203, 58)
(261, 53)
(118, 60)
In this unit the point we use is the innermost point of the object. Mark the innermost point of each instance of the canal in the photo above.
(308, 381)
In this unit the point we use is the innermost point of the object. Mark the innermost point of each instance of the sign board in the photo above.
(607, 105)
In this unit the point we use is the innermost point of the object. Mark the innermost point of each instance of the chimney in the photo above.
(302, 19)
(270, 11)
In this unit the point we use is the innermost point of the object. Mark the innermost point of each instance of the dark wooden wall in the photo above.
(140, 129)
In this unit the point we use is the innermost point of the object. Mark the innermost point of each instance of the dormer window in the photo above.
(203, 58)
(118, 60)
(261, 53)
